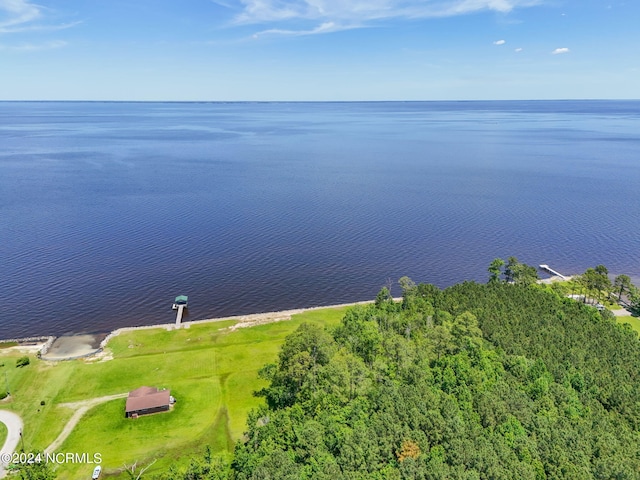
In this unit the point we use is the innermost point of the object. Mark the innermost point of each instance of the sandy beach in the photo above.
(74, 346)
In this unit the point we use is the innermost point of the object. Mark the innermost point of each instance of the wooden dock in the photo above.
(548, 269)
(180, 304)
(179, 315)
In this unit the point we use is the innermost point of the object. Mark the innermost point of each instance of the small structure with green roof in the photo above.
(181, 300)
(180, 304)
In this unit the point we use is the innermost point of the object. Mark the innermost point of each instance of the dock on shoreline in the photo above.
(180, 304)
(548, 269)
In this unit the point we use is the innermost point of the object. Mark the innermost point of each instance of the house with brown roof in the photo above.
(145, 400)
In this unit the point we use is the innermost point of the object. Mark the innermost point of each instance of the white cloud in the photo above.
(499, 42)
(323, 28)
(226, 4)
(559, 51)
(17, 12)
(30, 47)
(22, 16)
(518, 50)
(360, 13)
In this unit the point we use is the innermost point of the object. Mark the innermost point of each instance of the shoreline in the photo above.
(44, 343)
(83, 345)
(252, 318)
(243, 321)
(246, 320)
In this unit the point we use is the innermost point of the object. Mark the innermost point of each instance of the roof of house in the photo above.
(147, 397)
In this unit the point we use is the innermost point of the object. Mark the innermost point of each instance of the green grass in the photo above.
(30, 385)
(210, 370)
(3, 433)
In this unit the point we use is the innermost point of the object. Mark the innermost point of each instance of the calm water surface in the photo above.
(110, 210)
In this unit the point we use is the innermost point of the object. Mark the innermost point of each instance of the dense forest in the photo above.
(501, 380)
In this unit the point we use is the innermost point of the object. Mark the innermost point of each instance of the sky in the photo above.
(319, 50)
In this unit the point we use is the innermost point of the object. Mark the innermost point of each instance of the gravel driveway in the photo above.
(14, 427)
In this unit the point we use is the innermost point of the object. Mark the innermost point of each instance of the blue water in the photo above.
(110, 210)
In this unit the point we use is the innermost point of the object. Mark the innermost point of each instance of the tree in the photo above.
(622, 284)
(524, 274)
(604, 283)
(597, 281)
(509, 269)
(360, 333)
(495, 270)
(583, 282)
(305, 349)
(590, 280)
(408, 449)
(519, 273)
(634, 298)
(407, 285)
(465, 330)
(36, 470)
(409, 292)
(384, 298)
(441, 339)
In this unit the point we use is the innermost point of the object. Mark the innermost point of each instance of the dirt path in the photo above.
(80, 408)
(14, 430)
(621, 312)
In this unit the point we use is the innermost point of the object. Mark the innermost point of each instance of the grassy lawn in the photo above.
(30, 386)
(210, 370)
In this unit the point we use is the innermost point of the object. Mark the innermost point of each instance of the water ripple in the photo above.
(250, 208)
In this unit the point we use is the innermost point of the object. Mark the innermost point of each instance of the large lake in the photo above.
(110, 210)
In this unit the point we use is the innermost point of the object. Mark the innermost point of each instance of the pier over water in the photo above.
(180, 304)
(547, 268)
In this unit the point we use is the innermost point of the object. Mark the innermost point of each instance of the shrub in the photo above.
(22, 361)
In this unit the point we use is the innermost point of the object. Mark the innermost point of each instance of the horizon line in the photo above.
(332, 101)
